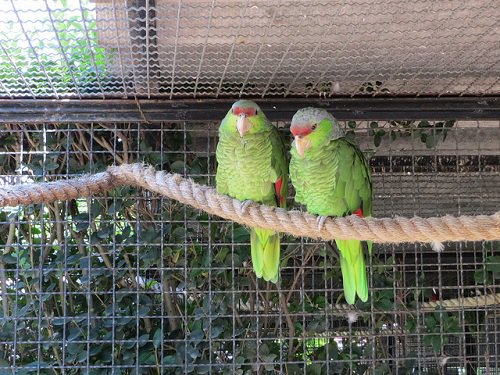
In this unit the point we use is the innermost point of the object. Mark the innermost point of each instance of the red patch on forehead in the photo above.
(302, 130)
(244, 111)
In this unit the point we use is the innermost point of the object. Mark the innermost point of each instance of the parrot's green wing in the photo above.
(363, 179)
(353, 179)
(223, 153)
(280, 166)
(353, 183)
(265, 244)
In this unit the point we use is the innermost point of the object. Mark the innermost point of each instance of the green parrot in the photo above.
(332, 178)
(252, 166)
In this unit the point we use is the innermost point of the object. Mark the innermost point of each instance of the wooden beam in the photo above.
(116, 110)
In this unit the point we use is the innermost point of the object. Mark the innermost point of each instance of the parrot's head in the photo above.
(312, 128)
(245, 117)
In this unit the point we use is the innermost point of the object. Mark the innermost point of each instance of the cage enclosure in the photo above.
(130, 282)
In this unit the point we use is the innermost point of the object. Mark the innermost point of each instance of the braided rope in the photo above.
(297, 223)
(455, 304)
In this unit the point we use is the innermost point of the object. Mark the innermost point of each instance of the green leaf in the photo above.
(221, 255)
(409, 364)
(268, 359)
(430, 141)
(424, 124)
(382, 369)
(203, 369)
(81, 221)
(352, 124)
(313, 369)
(178, 235)
(373, 125)
(177, 166)
(436, 343)
(430, 323)
(449, 123)
(480, 277)
(427, 340)
(75, 348)
(115, 207)
(51, 166)
(452, 325)
(193, 352)
(411, 325)
(292, 369)
(146, 358)
(169, 360)
(492, 263)
(393, 135)
(143, 339)
(105, 232)
(350, 136)
(9, 259)
(197, 335)
(216, 331)
(143, 311)
(377, 139)
(157, 338)
(73, 259)
(73, 334)
(85, 262)
(384, 304)
(241, 234)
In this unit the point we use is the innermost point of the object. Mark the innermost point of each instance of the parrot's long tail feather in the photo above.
(352, 265)
(265, 251)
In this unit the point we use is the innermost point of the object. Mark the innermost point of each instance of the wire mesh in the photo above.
(213, 49)
(130, 282)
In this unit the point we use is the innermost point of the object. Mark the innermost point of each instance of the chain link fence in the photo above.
(214, 49)
(129, 282)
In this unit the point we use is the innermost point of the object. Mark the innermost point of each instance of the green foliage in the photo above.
(429, 134)
(137, 282)
(434, 323)
(72, 60)
(439, 327)
(373, 87)
(490, 273)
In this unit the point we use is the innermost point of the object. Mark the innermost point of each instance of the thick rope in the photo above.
(464, 303)
(297, 223)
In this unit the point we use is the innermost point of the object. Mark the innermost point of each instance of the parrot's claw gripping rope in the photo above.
(321, 221)
(244, 205)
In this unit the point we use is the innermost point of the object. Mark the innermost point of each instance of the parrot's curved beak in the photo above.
(243, 125)
(302, 144)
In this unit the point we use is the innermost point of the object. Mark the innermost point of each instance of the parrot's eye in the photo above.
(256, 112)
(313, 127)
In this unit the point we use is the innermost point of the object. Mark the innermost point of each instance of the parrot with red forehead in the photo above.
(252, 166)
(331, 177)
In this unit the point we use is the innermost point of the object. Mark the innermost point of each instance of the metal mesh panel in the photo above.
(212, 49)
(130, 282)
